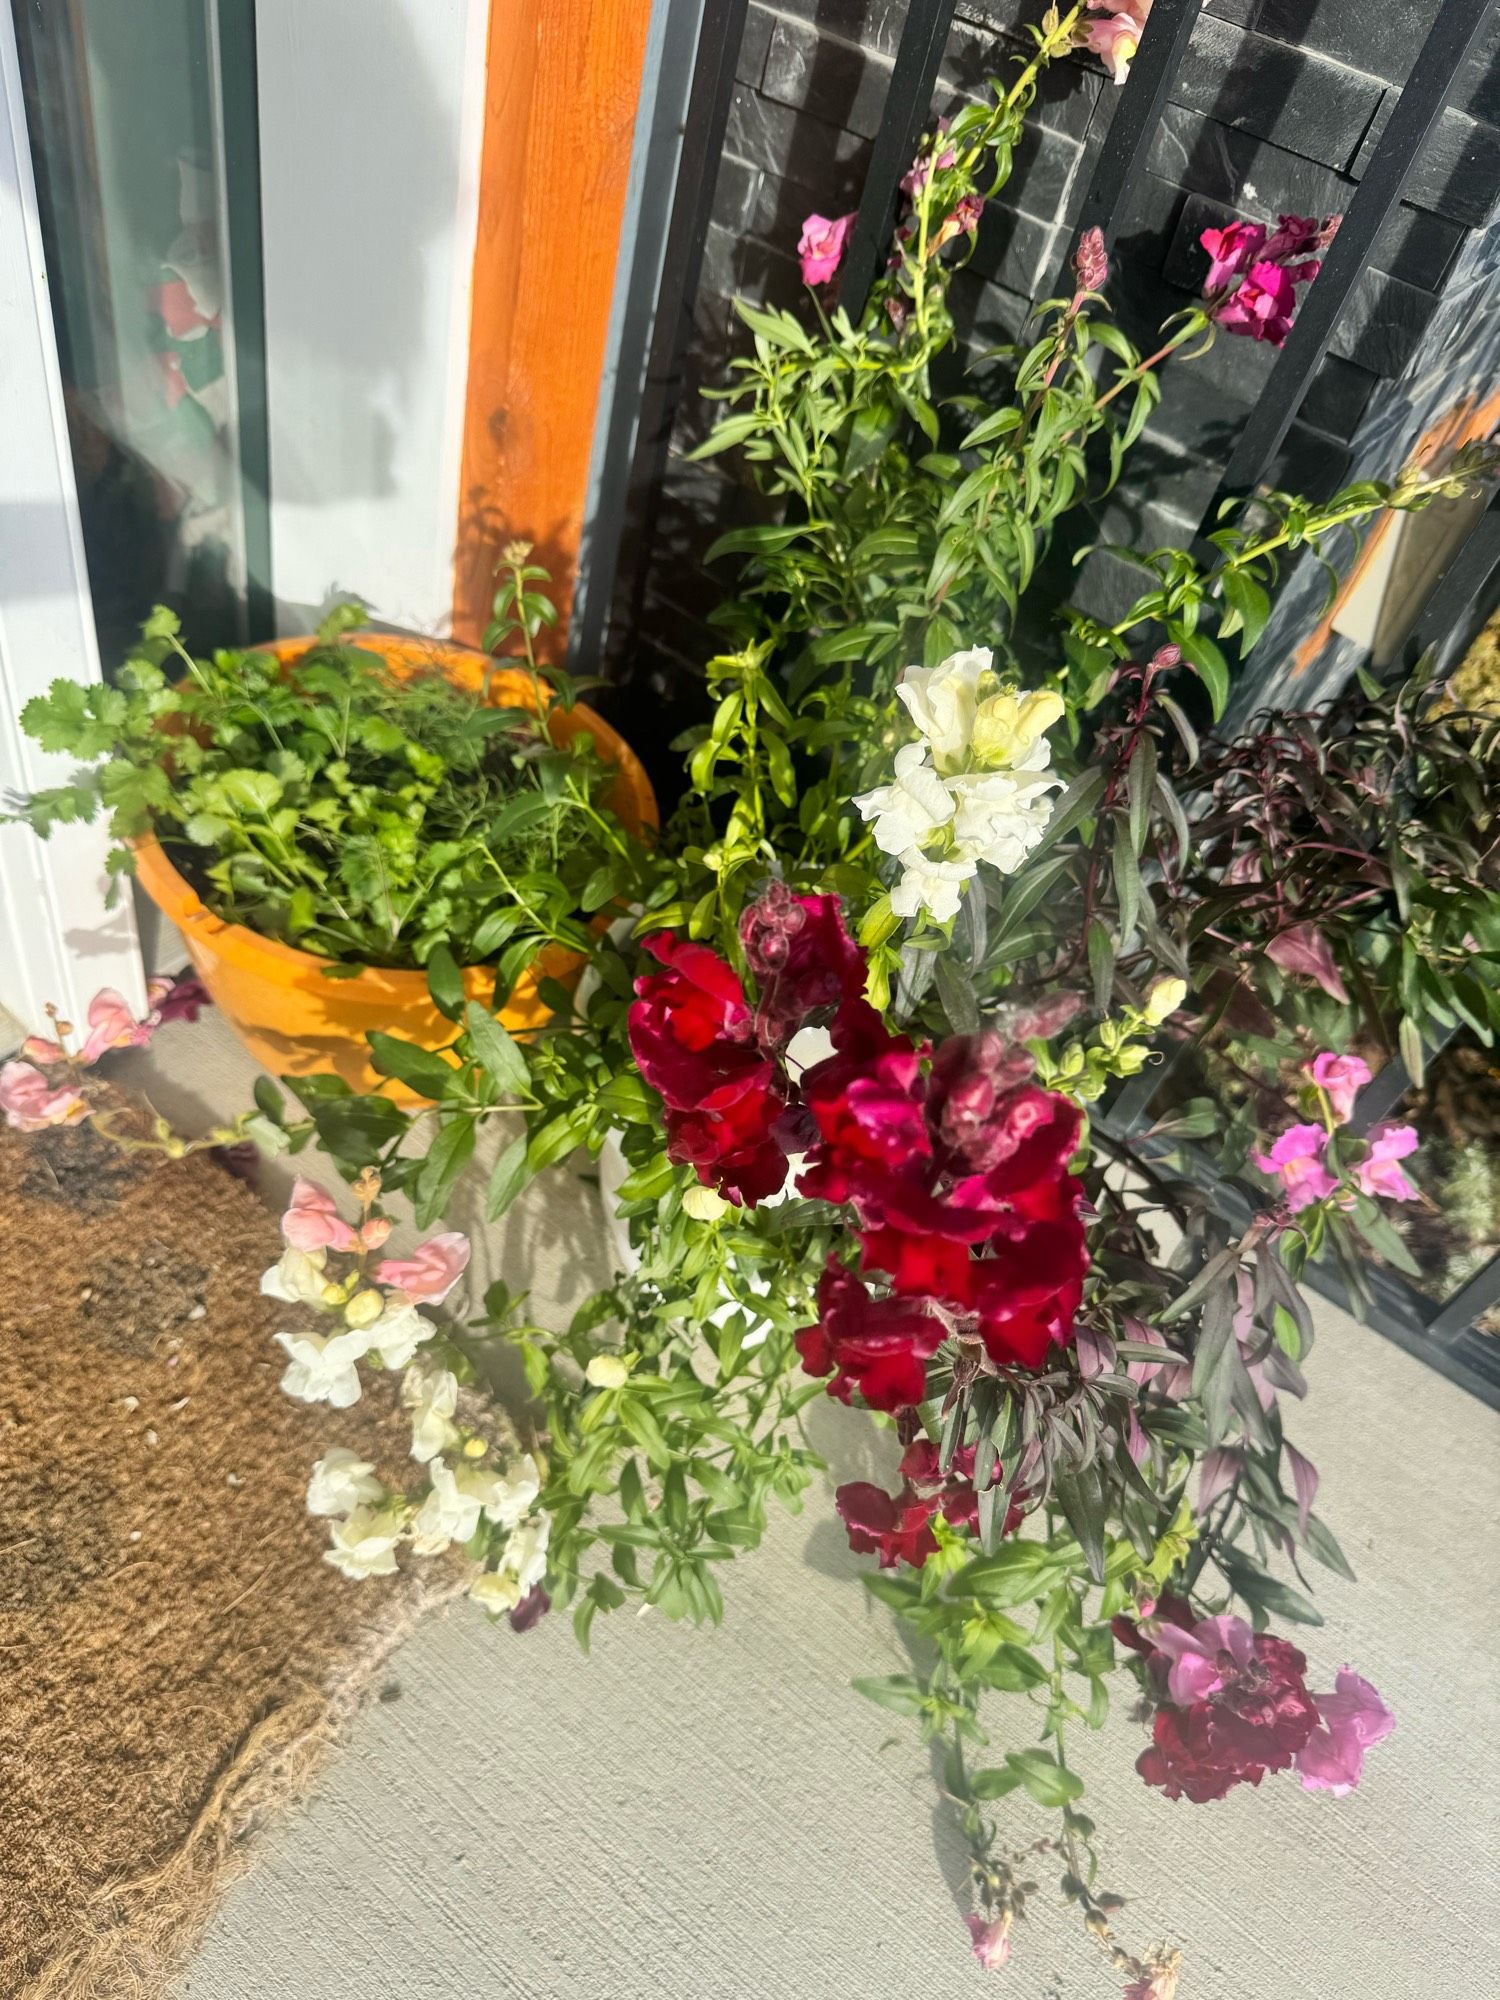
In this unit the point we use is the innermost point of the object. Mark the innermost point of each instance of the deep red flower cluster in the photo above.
(957, 1172)
(954, 1162)
(1250, 1710)
(897, 1527)
(714, 1061)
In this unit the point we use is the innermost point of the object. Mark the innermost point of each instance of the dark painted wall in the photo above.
(1277, 106)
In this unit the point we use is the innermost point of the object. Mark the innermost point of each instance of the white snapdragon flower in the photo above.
(322, 1368)
(943, 701)
(460, 1494)
(297, 1278)
(341, 1482)
(999, 816)
(912, 808)
(932, 885)
(523, 1565)
(448, 1514)
(514, 1492)
(398, 1332)
(365, 1544)
(525, 1556)
(495, 1590)
(431, 1394)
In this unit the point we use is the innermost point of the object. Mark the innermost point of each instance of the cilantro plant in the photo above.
(363, 816)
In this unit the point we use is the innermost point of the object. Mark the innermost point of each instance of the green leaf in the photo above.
(1048, 1782)
(1209, 663)
(449, 1154)
(900, 1692)
(1080, 1494)
(993, 1783)
(508, 1176)
(1101, 963)
(1268, 1593)
(427, 1074)
(556, 1139)
(495, 1050)
(445, 982)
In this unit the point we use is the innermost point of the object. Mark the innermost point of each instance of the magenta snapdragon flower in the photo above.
(1351, 1720)
(1341, 1078)
(1378, 1174)
(1297, 1161)
(821, 247)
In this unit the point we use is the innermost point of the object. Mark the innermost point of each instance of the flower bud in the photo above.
(1091, 261)
(607, 1371)
(365, 1307)
(704, 1204)
(1165, 997)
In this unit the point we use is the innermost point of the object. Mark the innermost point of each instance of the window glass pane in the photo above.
(126, 109)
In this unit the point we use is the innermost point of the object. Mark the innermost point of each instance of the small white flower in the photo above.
(934, 886)
(448, 1514)
(323, 1369)
(525, 1556)
(942, 702)
(431, 1394)
(451, 1511)
(297, 1278)
(398, 1333)
(907, 812)
(999, 817)
(495, 1590)
(514, 1492)
(342, 1481)
(365, 1544)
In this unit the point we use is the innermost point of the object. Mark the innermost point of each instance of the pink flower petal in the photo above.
(431, 1272)
(313, 1222)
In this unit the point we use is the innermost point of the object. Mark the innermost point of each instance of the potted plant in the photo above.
(340, 823)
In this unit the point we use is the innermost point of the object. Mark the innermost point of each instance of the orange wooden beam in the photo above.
(561, 91)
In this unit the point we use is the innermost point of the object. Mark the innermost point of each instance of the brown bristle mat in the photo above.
(175, 1655)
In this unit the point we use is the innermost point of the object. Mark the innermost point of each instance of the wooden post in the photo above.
(560, 103)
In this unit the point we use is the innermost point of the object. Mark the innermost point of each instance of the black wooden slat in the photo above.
(1477, 1296)
(709, 99)
(1133, 125)
(1458, 27)
(908, 102)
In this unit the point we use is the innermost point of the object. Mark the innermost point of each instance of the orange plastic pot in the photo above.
(294, 1019)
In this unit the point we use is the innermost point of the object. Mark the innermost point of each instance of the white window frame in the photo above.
(59, 939)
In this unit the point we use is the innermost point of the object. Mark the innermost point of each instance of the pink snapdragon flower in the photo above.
(1231, 252)
(1341, 1078)
(312, 1221)
(1263, 304)
(31, 1103)
(1351, 1720)
(1117, 35)
(1297, 1161)
(1378, 1173)
(1251, 286)
(113, 1026)
(431, 1272)
(821, 247)
(989, 1939)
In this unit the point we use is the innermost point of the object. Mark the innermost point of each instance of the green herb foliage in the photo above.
(360, 815)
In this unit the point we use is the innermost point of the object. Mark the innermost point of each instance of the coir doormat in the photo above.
(175, 1655)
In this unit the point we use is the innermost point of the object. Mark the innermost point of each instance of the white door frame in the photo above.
(58, 939)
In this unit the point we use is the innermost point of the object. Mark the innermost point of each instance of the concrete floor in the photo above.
(718, 1815)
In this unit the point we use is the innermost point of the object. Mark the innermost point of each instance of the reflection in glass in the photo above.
(126, 118)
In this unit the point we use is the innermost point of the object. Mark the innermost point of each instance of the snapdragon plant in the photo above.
(910, 926)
